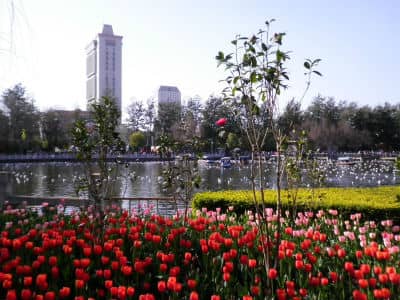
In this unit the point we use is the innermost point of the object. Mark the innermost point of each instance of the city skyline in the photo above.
(46, 51)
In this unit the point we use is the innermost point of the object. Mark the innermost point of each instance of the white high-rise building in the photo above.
(103, 66)
(168, 97)
(169, 94)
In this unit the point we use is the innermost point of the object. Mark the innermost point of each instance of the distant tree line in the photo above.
(24, 128)
(330, 125)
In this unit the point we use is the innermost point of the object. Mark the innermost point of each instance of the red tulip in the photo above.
(126, 270)
(192, 284)
(221, 122)
(147, 297)
(372, 282)
(299, 264)
(11, 295)
(281, 294)
(358, 295)
(272, 273)
(348, 266)
(162, 287)
(79, 284)
(363, 283)
(303, 292)
(163, 268)
(108, 284)
(252, 263)
(194, 296)
(324, 281)
(97, 249)
(244, 259)
(65, 292)
(26, 294)
(188, 256)
(87, 251)
(50, 295)
(28, 281)
(114, 291)
(130, 291)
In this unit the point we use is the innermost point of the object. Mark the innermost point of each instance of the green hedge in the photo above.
(375, 203)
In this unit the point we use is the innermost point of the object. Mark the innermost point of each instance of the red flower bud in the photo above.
(221, 122)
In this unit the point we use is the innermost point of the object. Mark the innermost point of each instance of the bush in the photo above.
(377, 203)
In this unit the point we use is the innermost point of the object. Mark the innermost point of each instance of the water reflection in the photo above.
(142, 179)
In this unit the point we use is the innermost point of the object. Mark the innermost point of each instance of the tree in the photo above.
(150, 115)
(23, 118)
(384, 128)
(96, 140)
(4, 130)
(186, 128)
(169, 114)
(257, 76)
(292, 117)
(194, 106)
(136, 116)
(137, 140)
(54, 129)
(215, 109)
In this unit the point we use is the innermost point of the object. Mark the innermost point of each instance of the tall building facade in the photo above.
(168, 108)
(168, 95)
(104, 66)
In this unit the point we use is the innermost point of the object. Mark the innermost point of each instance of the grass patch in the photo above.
(375, 203)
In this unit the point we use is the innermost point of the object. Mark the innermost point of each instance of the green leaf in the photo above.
(269, 22)
(318, 73)
(220, 56)
(253, 77)
(264, 47)
(253, 62)
(255, 110)
(278, 37)
(279, 55)
(252, 49)
(246, 60)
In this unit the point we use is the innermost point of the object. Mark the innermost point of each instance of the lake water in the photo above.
(143, 179)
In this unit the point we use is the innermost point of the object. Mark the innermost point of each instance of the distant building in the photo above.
(103, 66)
(68, 117)
(169, 94)
(168, 108)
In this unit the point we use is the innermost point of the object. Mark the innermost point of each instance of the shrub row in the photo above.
(376, 203)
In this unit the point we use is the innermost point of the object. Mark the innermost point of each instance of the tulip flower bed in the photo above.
(211, 255)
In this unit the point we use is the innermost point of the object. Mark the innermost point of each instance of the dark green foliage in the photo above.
(23, 120)
(56, 130)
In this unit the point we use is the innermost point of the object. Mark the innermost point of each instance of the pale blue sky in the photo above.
(174, 42)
